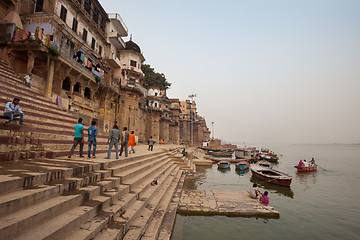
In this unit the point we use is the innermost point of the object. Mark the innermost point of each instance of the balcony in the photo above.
(136, 86)
(119, 24)
(114, 61)
(116, 40)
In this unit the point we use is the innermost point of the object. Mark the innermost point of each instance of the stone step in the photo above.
(133, 208)
(9, 91)
(122, 168)
(10, 79)
(32, 111)
(161, 198)
(131, 176)
(14, 224)
(92, 228)
(168, 222)
(152, 230)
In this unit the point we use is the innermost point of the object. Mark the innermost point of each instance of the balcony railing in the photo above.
(117, 17)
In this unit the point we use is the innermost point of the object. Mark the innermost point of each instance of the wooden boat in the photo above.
(243, 165)
(224, 165)
(307, 169)
(217, 160)
(264, 164)
(271, 176)
(222, 154)
(269, 157)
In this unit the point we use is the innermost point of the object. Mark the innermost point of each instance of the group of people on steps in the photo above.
(127, 141)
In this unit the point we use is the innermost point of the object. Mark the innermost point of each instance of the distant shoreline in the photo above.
(356, 145)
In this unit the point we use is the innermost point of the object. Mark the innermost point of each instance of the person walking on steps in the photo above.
(132, 142)
(92, 132)
(27, 80)
(12, 109)
(113, 140)
(78, 138)
(124, 141)
(151, 144)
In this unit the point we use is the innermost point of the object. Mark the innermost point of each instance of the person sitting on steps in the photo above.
(12, 109)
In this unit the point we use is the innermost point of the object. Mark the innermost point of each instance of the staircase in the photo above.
(48, 130)
(63, 199)
(44, 195)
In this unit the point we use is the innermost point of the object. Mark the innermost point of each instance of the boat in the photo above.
(307, 169)
(264, 164)
(269, 157)
(221, 154)
(271, 175)
(224, 165)
(243, 165)
(217, 160)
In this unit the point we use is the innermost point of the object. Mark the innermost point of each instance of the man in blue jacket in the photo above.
(92, 132)
(12, 109)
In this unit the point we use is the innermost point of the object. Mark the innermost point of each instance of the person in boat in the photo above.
(312, 162)
(306, 164)
(264, 198)
(301, 163)
(254, 192)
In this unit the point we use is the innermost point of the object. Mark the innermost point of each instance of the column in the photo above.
(50, 77)
(30, 62)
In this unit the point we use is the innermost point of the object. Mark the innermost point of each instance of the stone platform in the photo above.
(228, 203)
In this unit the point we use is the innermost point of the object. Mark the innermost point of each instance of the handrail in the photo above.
(117, 17)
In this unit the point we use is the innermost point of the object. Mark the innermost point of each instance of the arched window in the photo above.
(87, 93)
(77, 87)
(66, 84)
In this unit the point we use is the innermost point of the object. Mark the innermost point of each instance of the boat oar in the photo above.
(321, 167)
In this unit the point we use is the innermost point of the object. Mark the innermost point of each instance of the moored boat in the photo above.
(222, 153)
(271, 176)
(264, 164)
(224, 165)
(307, 169)
(217, 160)
(243, 165)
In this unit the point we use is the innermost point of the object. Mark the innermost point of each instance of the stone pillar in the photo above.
(50, 77)
(30, 62)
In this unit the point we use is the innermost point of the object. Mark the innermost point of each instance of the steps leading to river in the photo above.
(78, 199)
(48, 130)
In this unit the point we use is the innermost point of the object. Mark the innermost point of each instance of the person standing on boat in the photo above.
(254, 192)
(264, 198)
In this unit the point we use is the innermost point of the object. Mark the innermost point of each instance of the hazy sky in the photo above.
(263, 71)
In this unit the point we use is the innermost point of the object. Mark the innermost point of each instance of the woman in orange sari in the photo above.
(131, 143)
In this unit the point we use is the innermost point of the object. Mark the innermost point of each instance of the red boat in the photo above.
(306, 169)
(271, 175)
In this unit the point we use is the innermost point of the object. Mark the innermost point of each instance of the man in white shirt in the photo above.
(27, 80)
(12, 109)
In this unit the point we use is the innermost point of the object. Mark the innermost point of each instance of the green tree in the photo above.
(153, 78)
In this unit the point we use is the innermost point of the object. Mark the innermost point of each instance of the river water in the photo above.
(318, 205)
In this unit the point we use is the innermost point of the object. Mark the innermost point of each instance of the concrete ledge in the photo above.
(228, 203)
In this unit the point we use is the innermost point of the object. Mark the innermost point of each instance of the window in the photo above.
(77, 87)
(132, 63)
(100, 50)
(96, 15)
(75, 24)
(103, 24)
(155, 104)
(84, 37)
(87, 6)
(156, 94)
(63, 13)
(87, 93)
(39, 5)
(66, 84)
(93, 43)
